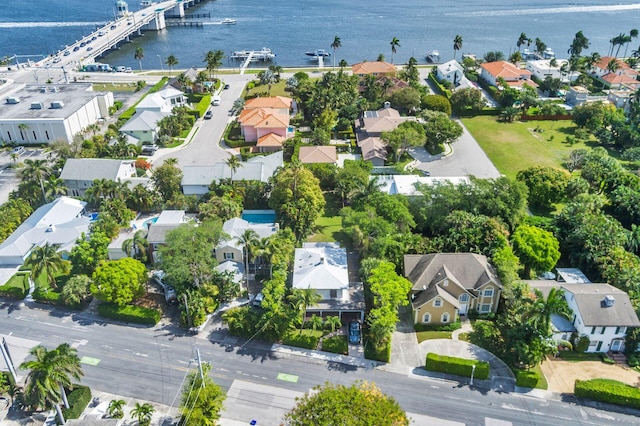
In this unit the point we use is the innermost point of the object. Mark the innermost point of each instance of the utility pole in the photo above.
(200, 368)
(7, 359)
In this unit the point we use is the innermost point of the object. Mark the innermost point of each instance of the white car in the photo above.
(216, 101)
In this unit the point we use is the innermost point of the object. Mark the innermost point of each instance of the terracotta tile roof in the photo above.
(269, 102)
(273, 121)
(625, 80)
(506, 70)
(252, 117)
(317, 154)
(373, 147)
(373, 67)
(623, 67)
(521, 83)
(271, 139)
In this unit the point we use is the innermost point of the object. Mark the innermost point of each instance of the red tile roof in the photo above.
(373, 67)
(505, 70)
(269, 102)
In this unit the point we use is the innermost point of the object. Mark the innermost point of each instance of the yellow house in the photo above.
(446, 285)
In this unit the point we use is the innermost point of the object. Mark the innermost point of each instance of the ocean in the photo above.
(290, 28)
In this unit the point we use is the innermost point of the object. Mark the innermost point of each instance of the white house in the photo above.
(231, 248)
(601, 312)
(323, 267)
(79, 173)
(450, 71)
(544, 68)
(42, 114)
(163, 101)
(60, 222)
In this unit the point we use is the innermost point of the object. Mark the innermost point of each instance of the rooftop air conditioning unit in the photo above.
(609, 300)
(43, 89)
(53, 89)
(36, 105)
(12, 100)
(57, 104)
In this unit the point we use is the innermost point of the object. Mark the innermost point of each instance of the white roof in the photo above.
(236, 268)
(256, 168)
(89, 169)
(322, 266)
(158, 99)
(450, 66)
(406, 184)
(235, 228)
(572, 276)
(58, 222)
(170, 217)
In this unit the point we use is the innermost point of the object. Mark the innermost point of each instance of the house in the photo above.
(163, 101)
(577, 95)
(445, 285)
(369, 128)
(407, 184)
(324, 268)
(236, 269)
(601, 312)
(269, 143)
(620, 81)
(37, 114)
(196, 179)
(143, 126)
(259, 122)
(231, 248)
(618, 77)
(60, 222)
(620, 98)
(493, 72)
(190, 75)
(318, 154)
(450, 71)
(375, 68)
(78, 174)
(281, 104)
(158, 229)
(543, 68)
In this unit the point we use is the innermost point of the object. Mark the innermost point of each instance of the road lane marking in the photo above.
(89, 361)
(287, 377)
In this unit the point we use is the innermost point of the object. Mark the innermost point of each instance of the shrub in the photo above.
(336, 344)
(457, 366)
(529, 379)
(377, 353)
(475, 315)
(13, 292)
(606, 390)
(78, 400)
(438, 327)
(607, 360)
(300, 340)
(48, 296)
(633, 361)
(129, 313)
(583, 344)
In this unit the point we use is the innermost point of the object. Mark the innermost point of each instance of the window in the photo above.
(464, 298)
(228, 256)
(603, 330)
(445, 317)
(621, 330)
(593, 330)
(445, 283)
(426, 318)
(46, 133)
(488, 292)
(34, 135)
(9, 135)
(437, 303)
(333, 293)
(484, 308)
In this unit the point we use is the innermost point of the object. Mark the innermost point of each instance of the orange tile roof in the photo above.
(269, 102)
(273, 121)
(504, 69)
(625, 80)
(271, 139)
(373, 67)
(521, 83)
(623, 67)
(251, 117)
(317, 154)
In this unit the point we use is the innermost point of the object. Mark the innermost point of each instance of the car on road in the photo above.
(89, 49)
(83, 44)
(149, 149)
(216, 101)
(113, 27)
(56, 60)
(208, 115)
(355, 332)
(66, 53)
(226, 86)
(121, 69)
(425, 173)
(75, 49)
(128, 69)
(94, 38)
(18, 150)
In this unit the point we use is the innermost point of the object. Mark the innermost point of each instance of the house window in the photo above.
(437, 303)
(46, 133)
(464, 298)
(603, 330)
(445, 283)
(228, 256)
(445, 317)
(333, 293)
(34, 136)
(488, 292)
(426, 318)
(593, 330)
(9, 135)
(573, 321)
(484, 308)
(621, 330)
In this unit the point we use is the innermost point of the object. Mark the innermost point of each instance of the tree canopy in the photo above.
(202, 399)
(119, 281)
(537, 249)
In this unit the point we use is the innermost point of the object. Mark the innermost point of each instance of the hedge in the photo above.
(78, 400)
(306, 341)
(438, 327)
(443, 91)
(47, 296)
(377, 353)
(606, 390)
(457, 366)
(336, 344)
(129, 313)
(529, 379)
(13, 292)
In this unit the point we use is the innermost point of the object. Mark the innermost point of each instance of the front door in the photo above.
(616, 345)
(464, 303)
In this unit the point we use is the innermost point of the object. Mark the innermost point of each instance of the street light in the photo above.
(473, 370)
(161, 66)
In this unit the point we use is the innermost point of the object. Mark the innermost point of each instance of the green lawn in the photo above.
(515, 146)
(276, 90)
(19, 280)
(329, 227)
(430, 335)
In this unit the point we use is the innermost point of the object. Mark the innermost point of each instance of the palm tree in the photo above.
(522, 40)
(234, 164)
(579, 43)
(457, 45)
(248, 240)
(342, 64)
(54, 186)
(136, 247)
(613, 65)
(139, 55)
(554, 304)
(238, 105)
(333, 322)
(316, 322)
(540, 46)
(143, 413)
(632, 34)
(14, 157)
(395, 43)
(335, 46)
(93, 128)
(633, 244)
(46, 259)
(267, 77)
(36, 171)
(171, 62)
(302, 298)
(213, 59)
(114, 410)
(50, 372)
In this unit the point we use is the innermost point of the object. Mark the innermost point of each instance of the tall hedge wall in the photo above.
(606, 390)
(457, 366)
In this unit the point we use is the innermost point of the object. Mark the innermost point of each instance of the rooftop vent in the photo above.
(43, 89)
(57, 104)
(609, 300)
(54, 89)
(387, 104)
(50, 228)
(36, 105)
(12, 100)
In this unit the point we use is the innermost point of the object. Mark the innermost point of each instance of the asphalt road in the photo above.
(150, 363)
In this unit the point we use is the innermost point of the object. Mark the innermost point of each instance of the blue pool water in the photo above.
(148, 222)
(259, 217)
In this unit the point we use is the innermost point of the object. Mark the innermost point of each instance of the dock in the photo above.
(177, 23)
(248, 56)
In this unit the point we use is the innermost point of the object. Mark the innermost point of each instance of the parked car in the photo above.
(226, 86)
(257, 301)
(18, 150)
(208, 115)
(170, 295)
(75, 49)
(66, 53)
(149, 149)
(216, 101)
(355, 332)
(128, 69)
(113, 27)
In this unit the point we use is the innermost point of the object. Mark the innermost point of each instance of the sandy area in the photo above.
(562, 375)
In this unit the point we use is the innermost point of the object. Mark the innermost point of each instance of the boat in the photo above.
(548, 53)
(265, 54)
(228, 21)
(433, 56)
(318, 53)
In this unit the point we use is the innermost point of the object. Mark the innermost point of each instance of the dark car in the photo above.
(75, 49)
(226, 86)
(208, 115)
(355, 332)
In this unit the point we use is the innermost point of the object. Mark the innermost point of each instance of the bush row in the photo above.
(443, 90)
(13, 292)
(606, 390)
(529, 379)
(78, 400)
(306, 341)
(457, 366)
(381, 353)
(336, 345)
(129, 313)
(438, 327)
(47, 296)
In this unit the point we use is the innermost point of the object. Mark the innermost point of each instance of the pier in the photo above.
(176, 23)
(190, 16)
(248, 56)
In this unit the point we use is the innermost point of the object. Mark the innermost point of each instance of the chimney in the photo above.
(387, 104)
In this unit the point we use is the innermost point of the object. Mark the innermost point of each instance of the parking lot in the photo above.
(8, 175)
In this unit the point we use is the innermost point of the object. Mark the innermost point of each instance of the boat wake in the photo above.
(550, 10)
(48, 24)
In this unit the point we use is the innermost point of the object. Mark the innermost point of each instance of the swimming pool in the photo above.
(148, 222)
(259, 216)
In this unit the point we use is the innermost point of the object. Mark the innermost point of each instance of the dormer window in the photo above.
(437, 303)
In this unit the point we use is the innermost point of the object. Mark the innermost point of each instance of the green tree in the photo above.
(46, 259)
(119, 281)
(579, 43)
(350, 178)
(335, 45)
(522, 40)
(50, 372)
(213, 59)
(167, 179)
(457, 45)
(202, 399)
(436, 103)
(171, 62)
(301, 299)
(395, 43)
(408, 134)
(88, 252)
(143, 413)
(387, 287)
(139, 55)
(36, 171)
(115, 408)
(297, 199)
(333, 322)
(439, 129)
(233, 163)
(405, 100)
(76, 290)
(493, 56)
(546, 185)
(410, 73)
(359, 404)
(221, 207)
(248, 241)
(467, 99)
(316, 322)
(537, 249)
(137, 246)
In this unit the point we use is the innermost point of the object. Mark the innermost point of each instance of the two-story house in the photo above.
(266, 120)
(158, 230)
(494, 72)
(231, 248)
(445, 285)
(78, 174)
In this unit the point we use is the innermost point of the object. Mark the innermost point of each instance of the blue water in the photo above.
(259, 217)
(148, 222)
(290, 28)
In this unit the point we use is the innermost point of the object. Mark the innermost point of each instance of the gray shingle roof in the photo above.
(590, 299)
(89, 169)
(256, 168)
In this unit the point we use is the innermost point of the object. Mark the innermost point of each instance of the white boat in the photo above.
(318, 53)
(265, 54)
(548, 53)
(228, 21)
(433, 56)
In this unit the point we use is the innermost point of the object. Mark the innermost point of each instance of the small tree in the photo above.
(143, 413)
(119, 281)
(316, 322)
(333, 322)
(76, 290)
(115, 409)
